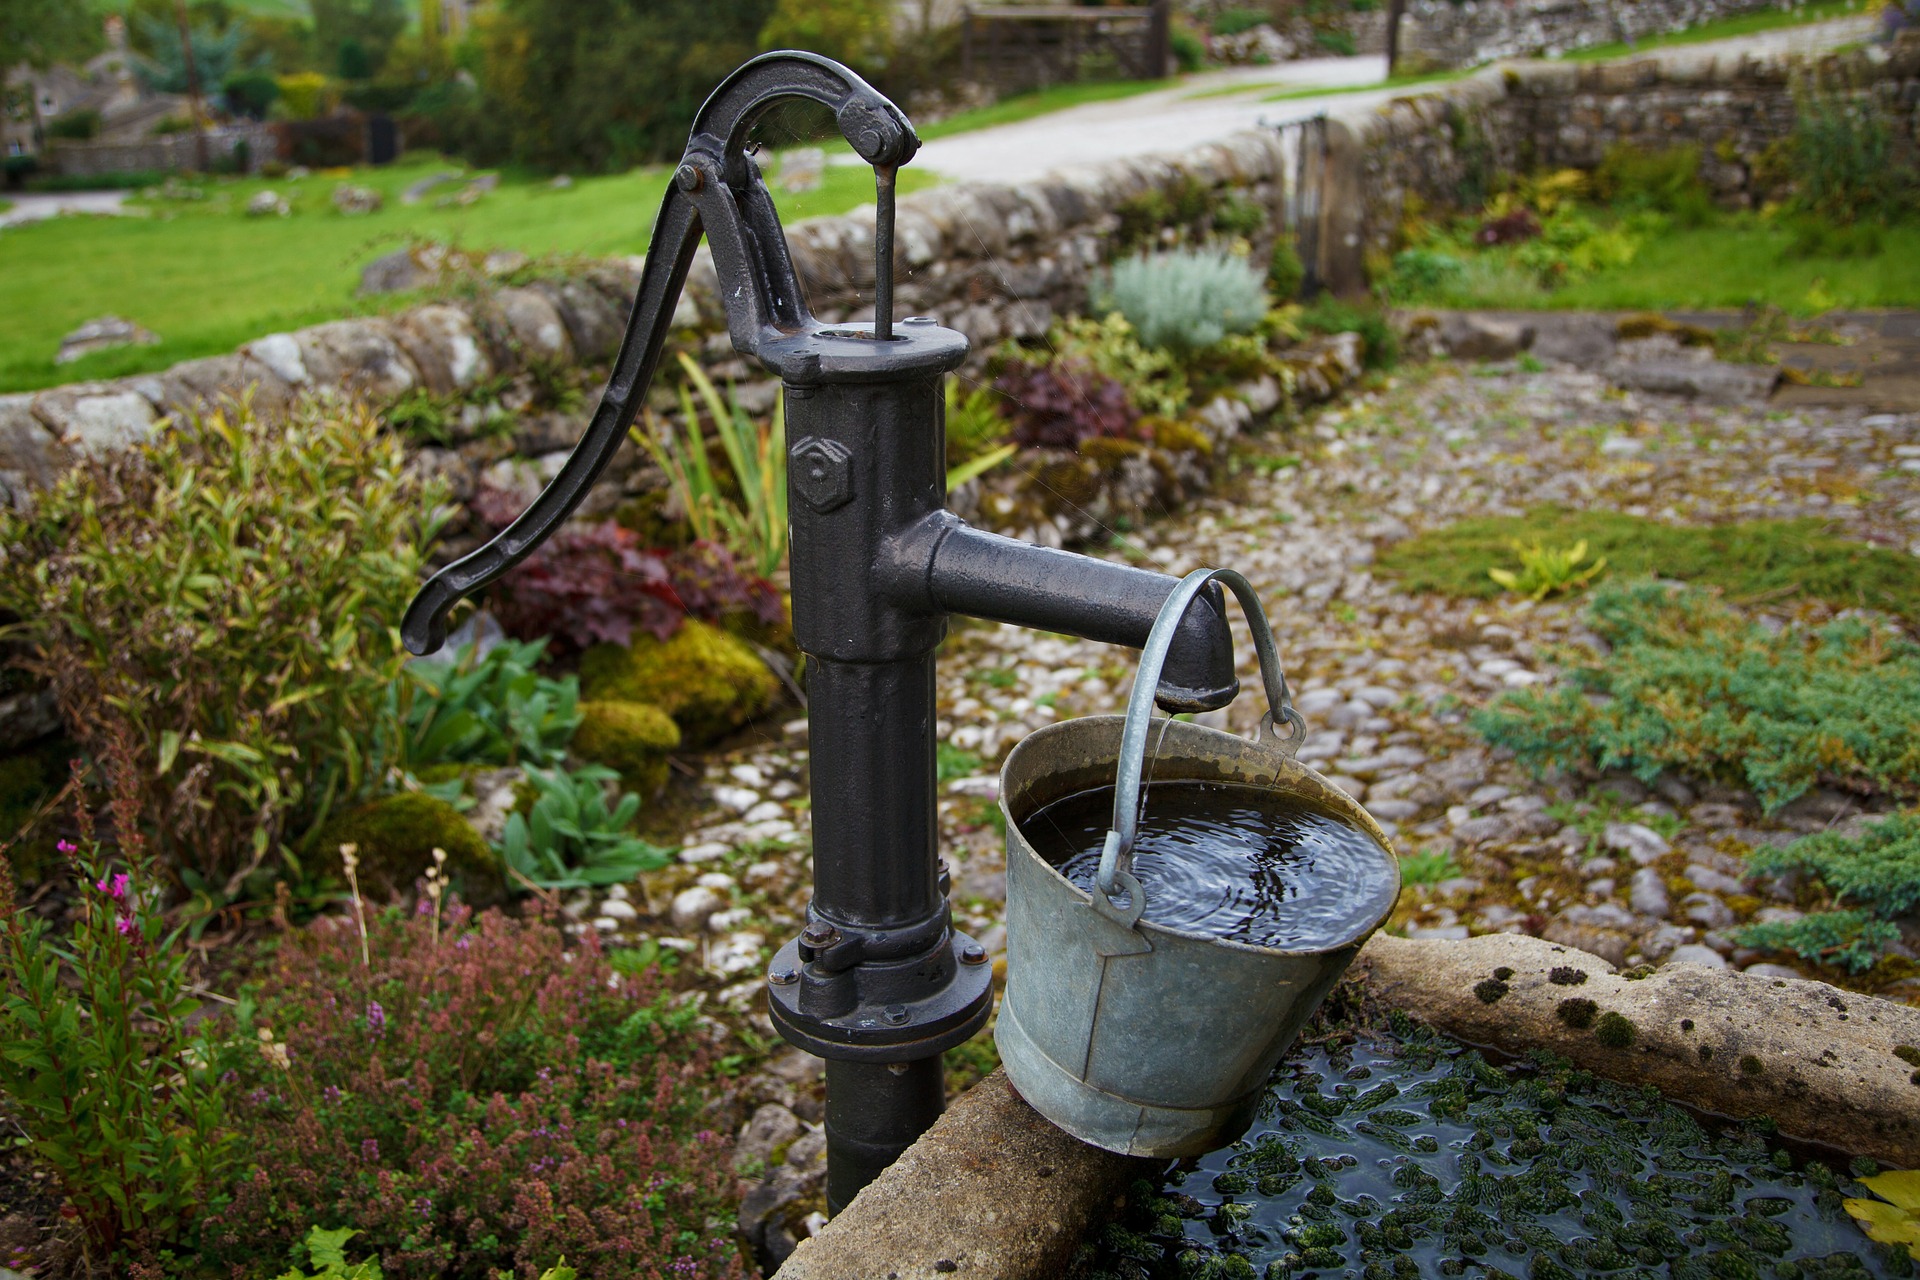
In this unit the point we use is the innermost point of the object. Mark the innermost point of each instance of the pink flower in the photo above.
(117, 889)
(67, 846)
(126, 925)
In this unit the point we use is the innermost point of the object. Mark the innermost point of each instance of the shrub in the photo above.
(1844, 163)
(1231, 22)
(1875, 875)
(1178, 207)
(1061, 406)
(1665, 181)
(1691, 686)
(1189, 48)
(1338, 43)
(1425, 274)
(1153, 379)
(1185, 300)
(1850, 940)
(479, 1102)
(226, 596)
(81, 126)
(106, 1071)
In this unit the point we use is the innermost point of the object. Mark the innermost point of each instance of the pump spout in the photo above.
(944, 565)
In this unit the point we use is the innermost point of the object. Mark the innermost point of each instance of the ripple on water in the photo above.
(1229, 861)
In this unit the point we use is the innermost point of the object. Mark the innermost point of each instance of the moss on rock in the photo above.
(632, 738)
(709, 682)
(396, 836)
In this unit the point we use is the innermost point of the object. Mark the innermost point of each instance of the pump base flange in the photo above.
(887, 1029)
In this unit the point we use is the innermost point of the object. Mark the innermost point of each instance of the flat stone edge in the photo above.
(1820, 1062)
(993, 1190)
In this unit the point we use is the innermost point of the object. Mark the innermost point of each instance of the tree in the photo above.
(605, 84)
(856, 32)
(215, 53)
(353, 37)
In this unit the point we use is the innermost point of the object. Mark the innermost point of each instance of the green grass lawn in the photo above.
(1745, 24)
(206, 277)
(1745, 261)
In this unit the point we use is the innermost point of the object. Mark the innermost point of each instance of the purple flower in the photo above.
(332, 1093)
(115, 888)
(67, 847)
(376, 1018)
(125, 926)
(370, 1149)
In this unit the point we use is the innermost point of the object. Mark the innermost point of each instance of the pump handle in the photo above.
(717, 189)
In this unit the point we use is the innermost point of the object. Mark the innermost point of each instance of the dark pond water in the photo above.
(1391, 1162)
(1242, 863)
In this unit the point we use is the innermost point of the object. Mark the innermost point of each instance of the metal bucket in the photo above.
(1128, 1035)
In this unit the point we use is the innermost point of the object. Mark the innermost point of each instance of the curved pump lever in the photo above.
(716, 189)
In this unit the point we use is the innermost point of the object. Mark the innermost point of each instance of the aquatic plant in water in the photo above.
(1420, 1158)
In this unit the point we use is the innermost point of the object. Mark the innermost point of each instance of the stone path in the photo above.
(1385, 679)
(36, 207)
(1181, 118)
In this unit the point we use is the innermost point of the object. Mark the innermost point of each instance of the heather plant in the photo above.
(110, 1078)
(225, 597)
(570, 838)
(1691, 685)
(1062, 405)
(488, 1101)
(493, 708)
(1873, 879)
(1185, 300)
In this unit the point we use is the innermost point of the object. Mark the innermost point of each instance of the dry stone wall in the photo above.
(1444, 147)
(1442, 33)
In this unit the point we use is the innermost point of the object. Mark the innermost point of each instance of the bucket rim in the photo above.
(1358, 816)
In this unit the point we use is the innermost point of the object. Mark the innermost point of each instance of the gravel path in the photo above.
(34, 208)
(1385, 679)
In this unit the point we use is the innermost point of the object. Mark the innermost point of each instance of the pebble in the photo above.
(1707, 911)
(1694, 953)
(692, 907)
(618, 909)
(1714, 881)
(1765, 970)
(1649, 894)
(1640, 842)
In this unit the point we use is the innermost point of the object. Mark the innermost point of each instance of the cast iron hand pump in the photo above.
(878, 983)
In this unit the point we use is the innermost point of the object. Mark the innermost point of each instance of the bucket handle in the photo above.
(1116, 856)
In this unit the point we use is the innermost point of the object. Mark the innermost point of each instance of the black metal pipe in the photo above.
(872, 1107)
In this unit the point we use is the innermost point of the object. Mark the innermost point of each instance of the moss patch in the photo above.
(1747, 559)
(631, 738)
(1490, 990)
(1566, 976)
(396, 837)
(1577, 1012)
(1613, 1031)
(710, 682)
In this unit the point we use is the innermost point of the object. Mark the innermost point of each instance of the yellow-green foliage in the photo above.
(710, 682)
(1546, 571)
(395, 838)
(1154, 379)
(1895, 1217)
(631, 738)
(1750, 559)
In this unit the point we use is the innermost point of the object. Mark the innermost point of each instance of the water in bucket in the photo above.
(1220, 860)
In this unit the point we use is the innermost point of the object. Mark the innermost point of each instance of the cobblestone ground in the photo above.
(1385, 679)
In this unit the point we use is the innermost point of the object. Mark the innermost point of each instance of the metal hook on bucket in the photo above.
(1115, 876)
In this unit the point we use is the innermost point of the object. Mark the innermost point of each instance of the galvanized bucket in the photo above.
(1128, 1035)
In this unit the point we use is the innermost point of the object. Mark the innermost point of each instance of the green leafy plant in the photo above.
(1665, 181)
(491, 709)
(1873, 877)
(1845, 167)
(1545, 571)
(1427, 868)
(570, 839)
(976, 432)
(1328, 314)
(108, 1074)
(326, 1253)
(1285, 272)
(1187, 299)
(225, 595)
(1691, 685)
(751, 519)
